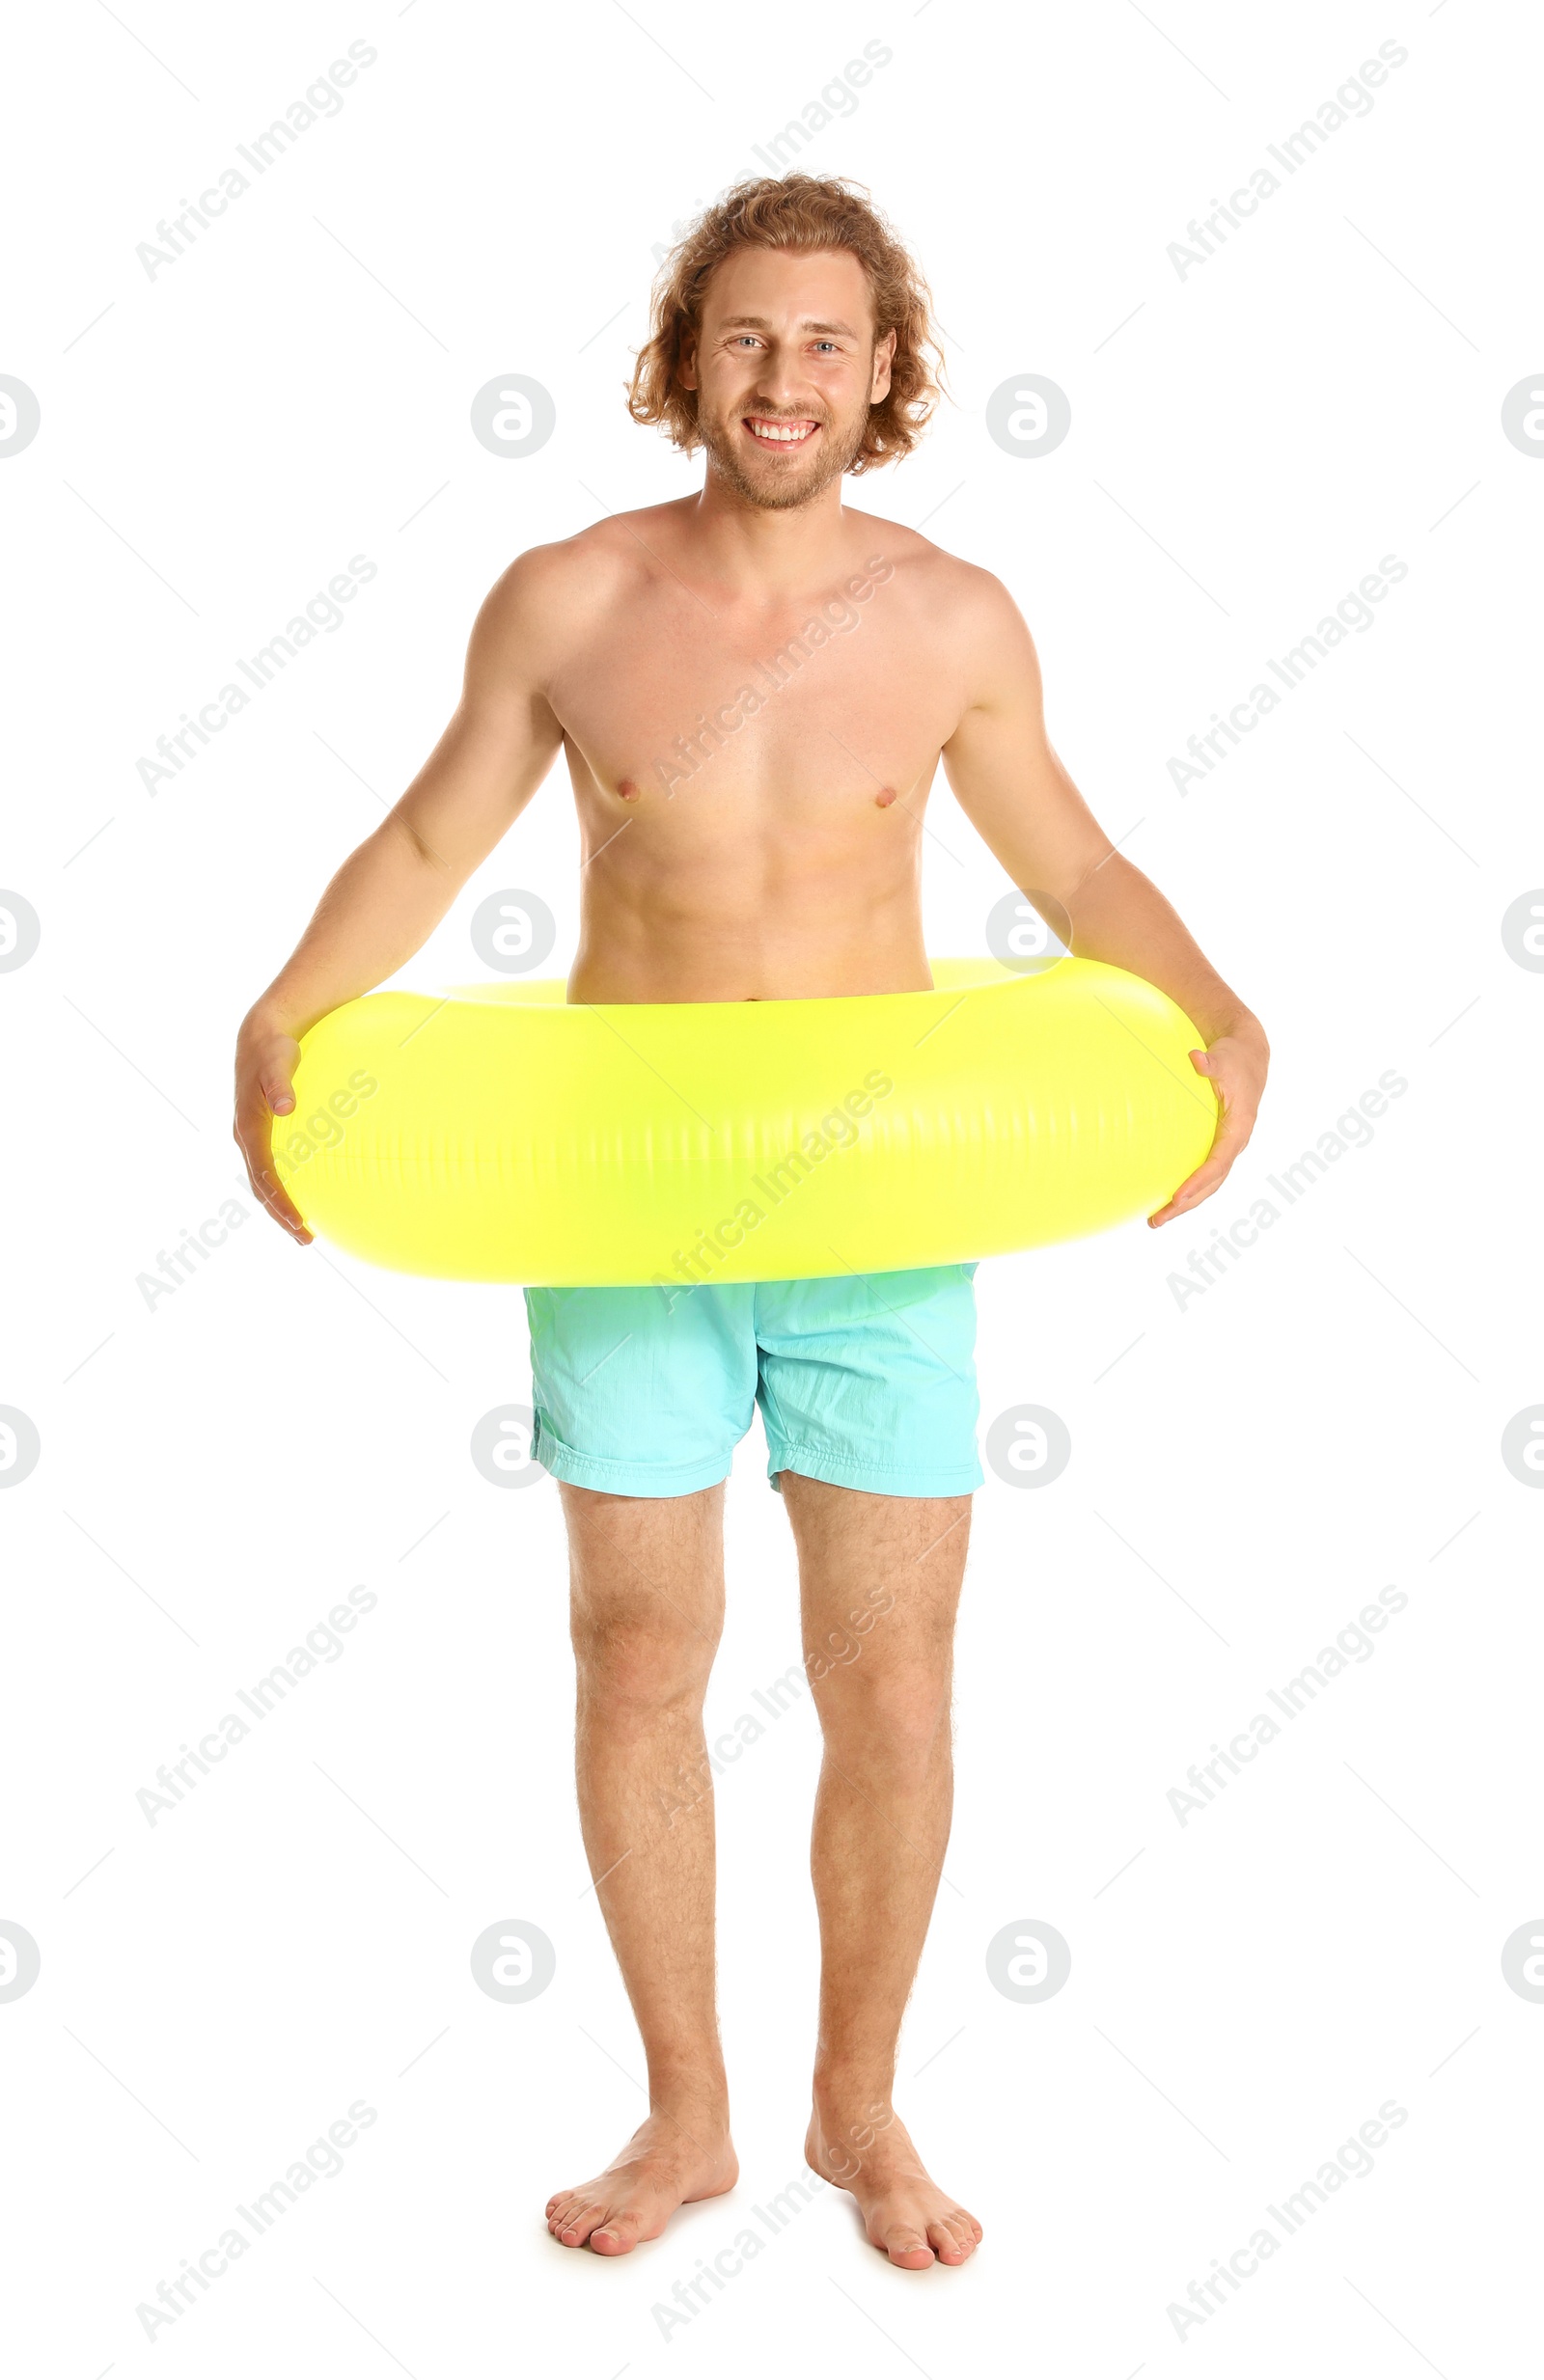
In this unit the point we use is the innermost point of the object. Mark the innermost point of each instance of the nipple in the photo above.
(627, 789)
(884, 797)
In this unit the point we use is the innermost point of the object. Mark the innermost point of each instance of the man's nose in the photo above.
(780, 384)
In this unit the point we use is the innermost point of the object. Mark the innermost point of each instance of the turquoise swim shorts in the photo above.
(867, 1381)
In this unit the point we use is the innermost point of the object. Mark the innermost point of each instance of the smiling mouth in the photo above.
(769, 432)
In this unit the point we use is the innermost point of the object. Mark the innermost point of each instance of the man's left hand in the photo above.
(1235, 1066)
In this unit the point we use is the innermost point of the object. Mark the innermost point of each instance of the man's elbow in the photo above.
(405, 835)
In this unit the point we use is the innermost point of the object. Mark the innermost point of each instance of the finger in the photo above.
(1238, 1098)
(1235, 1126)
(279, 1092)
(271, 1190)
(1213, 1074)
(1190, 1193)
(1169, 1213)
(1206, 1066)
(267, 1187)
(1232, 1133)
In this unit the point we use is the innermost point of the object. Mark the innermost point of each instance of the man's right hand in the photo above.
(266, 1062)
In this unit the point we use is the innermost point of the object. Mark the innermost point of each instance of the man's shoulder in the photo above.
(583, 572)
(553, 599)
(935, 575)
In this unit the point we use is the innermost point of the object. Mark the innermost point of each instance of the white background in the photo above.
(1248, 1470)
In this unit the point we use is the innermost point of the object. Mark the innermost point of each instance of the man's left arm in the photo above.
(1032, 817)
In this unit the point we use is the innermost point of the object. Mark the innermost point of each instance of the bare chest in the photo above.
(847, 694)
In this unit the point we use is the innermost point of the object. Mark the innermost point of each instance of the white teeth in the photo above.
(787, 437)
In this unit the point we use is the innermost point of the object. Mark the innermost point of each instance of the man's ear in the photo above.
(884, 356)
(686, 367)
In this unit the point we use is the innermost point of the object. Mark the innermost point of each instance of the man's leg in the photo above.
(647, 1577)
(879, 1579)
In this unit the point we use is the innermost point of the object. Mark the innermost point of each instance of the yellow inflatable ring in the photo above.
(500, 1134)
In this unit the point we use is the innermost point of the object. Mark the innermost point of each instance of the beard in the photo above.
(835, 451)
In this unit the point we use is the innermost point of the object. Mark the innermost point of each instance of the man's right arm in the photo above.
(390, 894)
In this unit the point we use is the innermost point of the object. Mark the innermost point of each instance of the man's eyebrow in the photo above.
(760, 322)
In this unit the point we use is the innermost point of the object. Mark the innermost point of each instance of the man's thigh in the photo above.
(880, 1583)
(646, 1581)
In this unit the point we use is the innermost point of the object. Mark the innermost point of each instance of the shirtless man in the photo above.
(762, 849)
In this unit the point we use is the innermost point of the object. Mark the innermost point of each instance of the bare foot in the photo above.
(663, 2166)
(903, 2209)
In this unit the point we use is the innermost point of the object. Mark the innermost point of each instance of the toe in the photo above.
(905, 2246)
(576, 2224)
(617, 2235)
(951, 2237)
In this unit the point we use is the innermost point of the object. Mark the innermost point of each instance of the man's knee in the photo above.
(637, 1651)
(645, 1595)
(897, 1707)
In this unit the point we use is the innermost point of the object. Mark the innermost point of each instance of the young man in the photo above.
(740, 846)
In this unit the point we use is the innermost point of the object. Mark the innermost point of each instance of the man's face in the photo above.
(785, 368)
